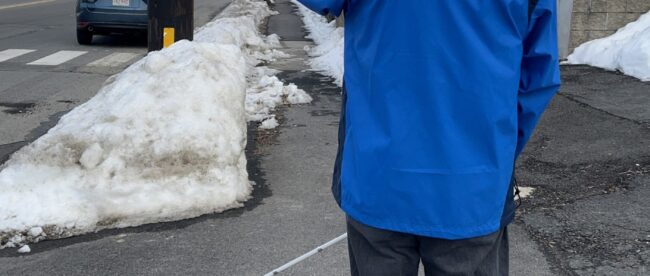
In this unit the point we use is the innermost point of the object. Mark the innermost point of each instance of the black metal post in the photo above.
(169, 21)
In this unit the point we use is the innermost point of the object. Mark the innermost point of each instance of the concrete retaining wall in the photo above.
(594, 19)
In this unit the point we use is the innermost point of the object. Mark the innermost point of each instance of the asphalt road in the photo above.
(32, 96)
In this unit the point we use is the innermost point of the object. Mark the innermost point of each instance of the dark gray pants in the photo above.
(380, 252)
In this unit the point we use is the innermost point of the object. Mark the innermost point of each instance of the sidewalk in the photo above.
(316, 138)
(589, 162)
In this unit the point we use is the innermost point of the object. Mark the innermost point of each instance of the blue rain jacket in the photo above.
(440, 98)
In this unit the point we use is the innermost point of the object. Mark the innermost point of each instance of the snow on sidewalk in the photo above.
(163, 140)
(628, 50)
(327, 56)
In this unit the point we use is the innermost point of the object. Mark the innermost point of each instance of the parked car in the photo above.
(105, 17)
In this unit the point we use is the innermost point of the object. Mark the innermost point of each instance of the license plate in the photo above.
(121, 3)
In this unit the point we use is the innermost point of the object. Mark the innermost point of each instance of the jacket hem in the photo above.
(432, 232)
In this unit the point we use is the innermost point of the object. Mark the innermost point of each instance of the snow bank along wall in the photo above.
(580, 21)
(592, 19)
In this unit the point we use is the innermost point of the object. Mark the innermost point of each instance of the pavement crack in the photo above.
(576, 100)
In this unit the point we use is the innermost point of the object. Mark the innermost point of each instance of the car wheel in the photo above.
(84, 37)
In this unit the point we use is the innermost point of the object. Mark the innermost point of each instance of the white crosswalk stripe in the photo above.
(13, 53)
(113, 60)
(58, 58)
(5, 7)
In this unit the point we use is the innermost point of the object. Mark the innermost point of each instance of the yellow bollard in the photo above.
(168, 37)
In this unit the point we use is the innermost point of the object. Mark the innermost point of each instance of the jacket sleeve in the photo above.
(324, 7)
(540, 69)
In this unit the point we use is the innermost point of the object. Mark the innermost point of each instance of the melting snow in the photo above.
(628, 50)
(327, 56)
(24, 249)
(163, 140)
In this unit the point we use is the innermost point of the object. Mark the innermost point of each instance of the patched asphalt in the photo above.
(590, 162)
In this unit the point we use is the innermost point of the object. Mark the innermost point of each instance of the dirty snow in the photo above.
(525, 192)
(327, 56)
(163, 140)
(35, 231)
(628, 50)
(270, 123)
(24, 249)
(267, 93)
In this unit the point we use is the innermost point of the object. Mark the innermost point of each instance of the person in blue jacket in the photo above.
(440, 97)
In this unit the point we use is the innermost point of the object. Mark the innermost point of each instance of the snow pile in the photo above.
(327, 56)
(24, 249)
(268, 93)
(271, 123)
(525, 192)
(265, 92)
(163, 140)
(628, 50)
